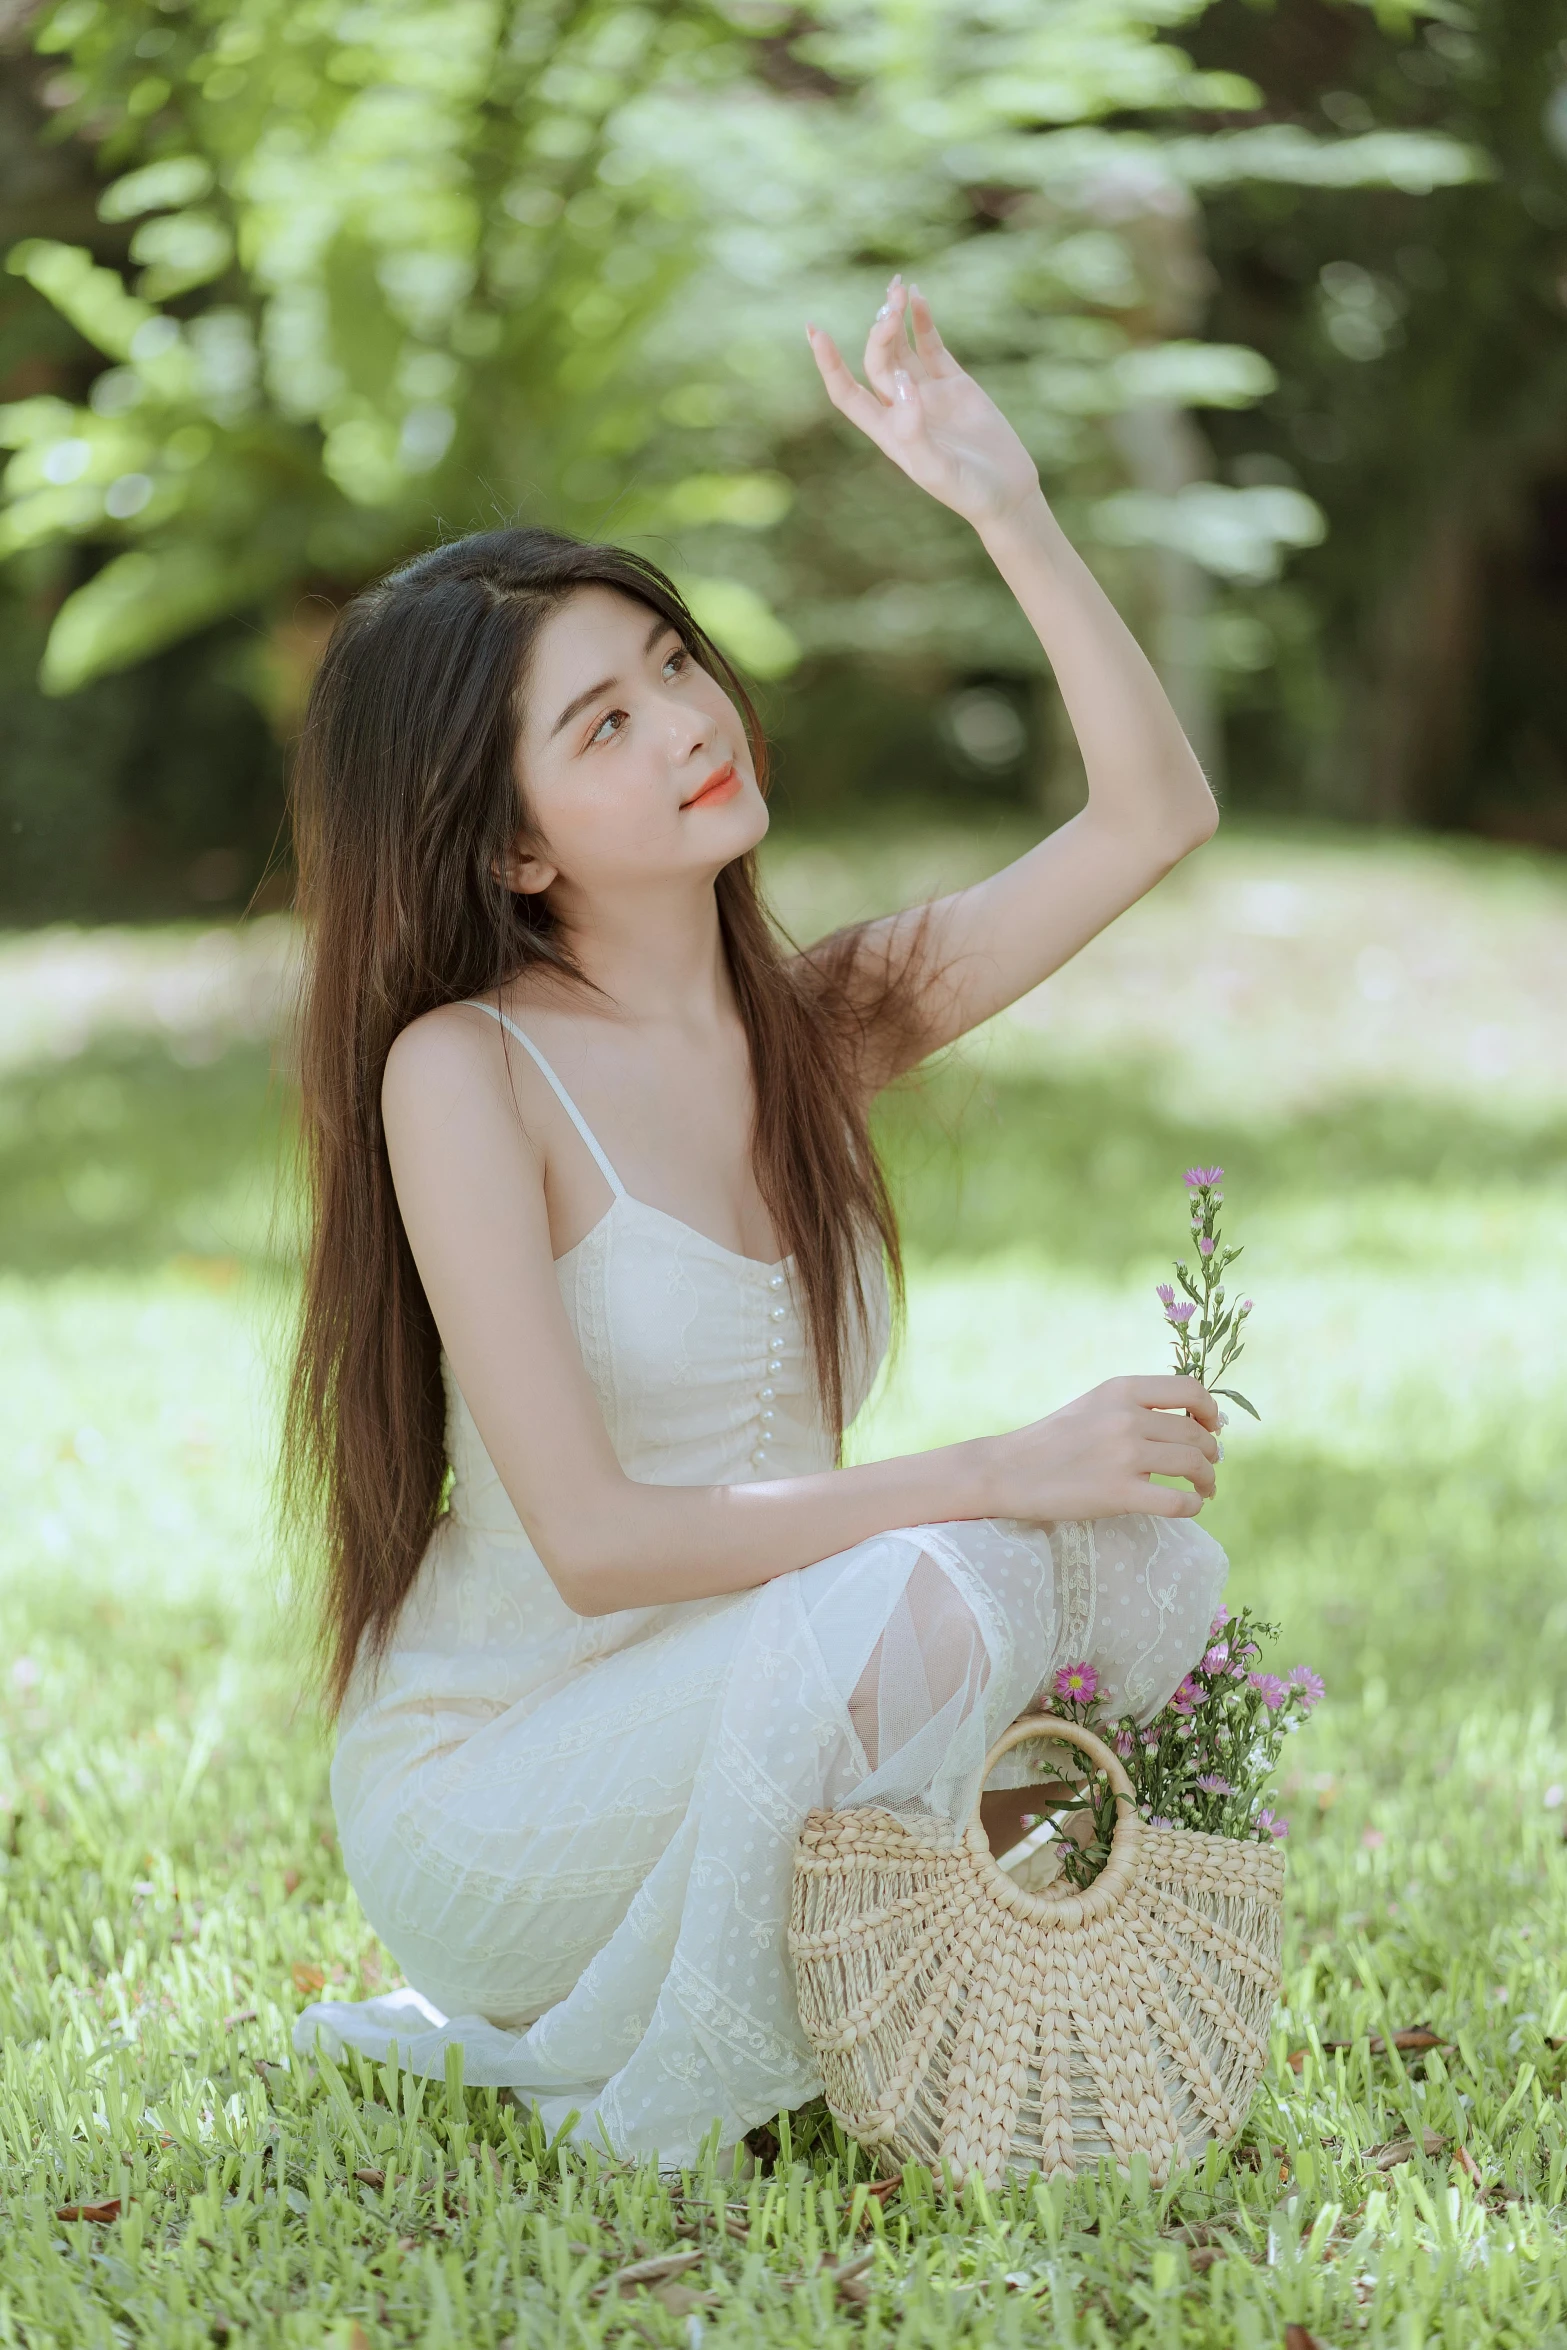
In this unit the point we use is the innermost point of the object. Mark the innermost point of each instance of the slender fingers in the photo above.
(1175, 1428)
(1175, 1393)
(933, 351)
(887, 346)
(844, 389)
(1165, 1501)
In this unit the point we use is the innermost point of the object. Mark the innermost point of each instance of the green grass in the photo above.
(170, 1888)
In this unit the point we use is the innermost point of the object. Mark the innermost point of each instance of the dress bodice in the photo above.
(698, 1356)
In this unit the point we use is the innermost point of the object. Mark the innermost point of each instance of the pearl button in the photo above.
(778, 1314)
(767, 1415)
(765, 1394)
(775, 1365)
(759, 1457)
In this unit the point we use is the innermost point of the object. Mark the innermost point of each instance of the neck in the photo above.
(656, 954)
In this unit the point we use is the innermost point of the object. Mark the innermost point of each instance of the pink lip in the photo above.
(722, 785)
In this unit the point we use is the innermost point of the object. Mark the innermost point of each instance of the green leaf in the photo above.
(144, 600)
(744, 624)
(181, 250)
(1234, 533)
(93, 299)
(750, 501)
(1233, 1395)
(157, 187)
(1185, 375)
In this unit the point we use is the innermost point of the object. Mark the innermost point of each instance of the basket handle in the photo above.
(1064, 1733)
(1116, 1875)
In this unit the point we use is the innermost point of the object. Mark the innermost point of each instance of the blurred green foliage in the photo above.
(360, 275)
(1414, 666)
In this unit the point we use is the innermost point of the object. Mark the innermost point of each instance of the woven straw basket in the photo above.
(964, 2022)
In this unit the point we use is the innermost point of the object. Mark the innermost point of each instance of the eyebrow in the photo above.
(661, 627)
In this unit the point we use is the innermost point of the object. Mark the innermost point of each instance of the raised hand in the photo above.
(927, 415)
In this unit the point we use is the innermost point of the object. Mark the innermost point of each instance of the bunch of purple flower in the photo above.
(1208, 1329)
(1205, 1760)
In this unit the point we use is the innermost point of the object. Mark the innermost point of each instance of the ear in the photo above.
(524, 874)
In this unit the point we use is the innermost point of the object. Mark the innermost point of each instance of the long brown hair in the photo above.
(405, 801)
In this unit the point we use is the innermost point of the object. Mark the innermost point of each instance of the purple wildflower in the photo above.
(1152, 1740)
(1211, 1783)
(1270, 1689)
(1155, 1820)
(1245, 1305)
(1180, 1314)
(1307, 1685)
(1077, 1681)
(1203, 1178)
(1164, 1293)
(1205, 1246)
(1220, 1619)
(1190, 1695)
(1126, 1744)
(1269, 1824)
(1216, 1658)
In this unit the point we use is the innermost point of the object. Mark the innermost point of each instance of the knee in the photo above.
(1160, 1583)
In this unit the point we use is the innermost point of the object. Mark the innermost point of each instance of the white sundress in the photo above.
(575, 1834)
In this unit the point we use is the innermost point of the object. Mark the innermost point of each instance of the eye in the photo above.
(598, 735)
(678, 659)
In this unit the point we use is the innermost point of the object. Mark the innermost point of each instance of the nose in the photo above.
(689, 730)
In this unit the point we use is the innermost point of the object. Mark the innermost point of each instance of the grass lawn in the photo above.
(1369, 1036)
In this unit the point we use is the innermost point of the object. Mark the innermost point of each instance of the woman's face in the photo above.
(632, 760)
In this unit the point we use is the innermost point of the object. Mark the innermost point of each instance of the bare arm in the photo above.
(470, 1186)
(1148, 800)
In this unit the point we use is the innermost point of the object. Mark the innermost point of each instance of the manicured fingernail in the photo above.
(883, 311)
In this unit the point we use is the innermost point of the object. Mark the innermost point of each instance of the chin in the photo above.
(746, 820)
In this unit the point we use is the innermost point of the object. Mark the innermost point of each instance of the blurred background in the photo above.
(1276, 293)
(1278, 296)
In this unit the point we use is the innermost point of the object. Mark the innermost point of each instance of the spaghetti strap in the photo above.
(559, 1091)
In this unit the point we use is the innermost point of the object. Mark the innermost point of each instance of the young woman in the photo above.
(598, 1275)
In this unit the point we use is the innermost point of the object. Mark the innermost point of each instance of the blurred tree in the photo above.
(396, 269)
(1415, 666)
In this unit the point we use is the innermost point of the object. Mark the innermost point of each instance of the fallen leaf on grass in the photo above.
(307, 1978)
(1300, 2338)
(680, 2300)
(647, 2272)
(98, 2211)
(1399, 2150)
(371, 2178)
(1468, 2165)
(849, 2279)
(1409, 2042)
(241, 2015)
(1203, 2257)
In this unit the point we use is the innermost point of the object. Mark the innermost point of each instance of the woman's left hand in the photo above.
(927, 415)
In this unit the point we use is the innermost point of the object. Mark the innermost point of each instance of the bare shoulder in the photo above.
(447, 1070)
(449, 1046)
